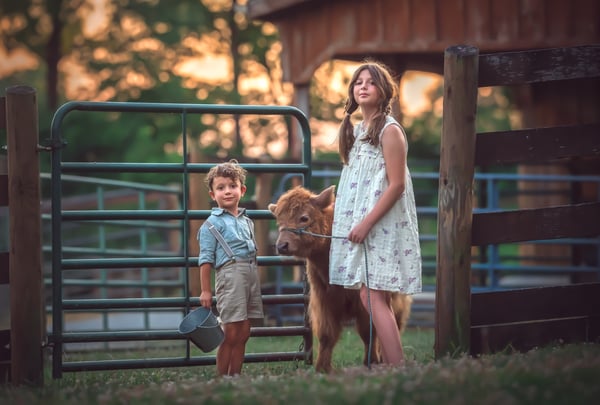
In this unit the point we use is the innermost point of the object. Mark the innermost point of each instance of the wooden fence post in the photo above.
(25, 267)
(4, 287)
(457, 154)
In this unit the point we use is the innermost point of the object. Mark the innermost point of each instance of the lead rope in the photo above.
(300, 231)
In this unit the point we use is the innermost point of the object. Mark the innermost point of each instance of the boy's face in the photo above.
(227, 193)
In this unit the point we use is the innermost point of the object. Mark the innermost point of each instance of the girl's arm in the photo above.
(393, 144)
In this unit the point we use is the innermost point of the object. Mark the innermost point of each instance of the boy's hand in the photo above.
(206, 299)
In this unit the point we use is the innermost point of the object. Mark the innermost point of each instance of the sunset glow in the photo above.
(414, 89)
(203, 61)
(95, 15)
(214, 69)
(17, 60)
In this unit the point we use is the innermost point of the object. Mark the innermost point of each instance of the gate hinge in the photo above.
(48, 146)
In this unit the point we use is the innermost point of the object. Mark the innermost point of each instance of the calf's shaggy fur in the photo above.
(330, 306)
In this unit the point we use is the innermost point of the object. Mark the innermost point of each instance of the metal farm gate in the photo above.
(60, 337)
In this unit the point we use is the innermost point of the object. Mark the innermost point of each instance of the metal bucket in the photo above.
(202, 327)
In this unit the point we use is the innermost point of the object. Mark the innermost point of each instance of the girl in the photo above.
(375, 207)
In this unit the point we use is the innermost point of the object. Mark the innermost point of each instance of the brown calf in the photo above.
(330, 306)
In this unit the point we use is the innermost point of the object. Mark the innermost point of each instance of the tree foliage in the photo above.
(184, 51)
(136, 50)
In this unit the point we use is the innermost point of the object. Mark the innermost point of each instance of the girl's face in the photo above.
(364, 91)
(227, 193)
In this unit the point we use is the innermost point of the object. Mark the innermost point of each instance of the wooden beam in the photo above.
(4, 270)
(528, 335)
(532, 317)
(3, 162)
(565, 221)
(537, 144)
(512, 68)
(4, 266)
(26, 281)
(455, 203)
(498, 307)
(271, 9)
(3, 112)
(4, 356)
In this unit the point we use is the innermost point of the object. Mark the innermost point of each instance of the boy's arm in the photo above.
(251, 226)
(206, 260)
(205, 285)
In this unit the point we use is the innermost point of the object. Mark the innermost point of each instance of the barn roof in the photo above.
(267, 9)
(413, 34)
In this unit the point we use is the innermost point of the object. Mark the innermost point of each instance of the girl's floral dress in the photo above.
(392, 247)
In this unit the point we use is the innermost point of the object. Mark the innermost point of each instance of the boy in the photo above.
(227, 243)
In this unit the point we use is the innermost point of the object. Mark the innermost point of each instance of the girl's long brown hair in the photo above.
(387, 89)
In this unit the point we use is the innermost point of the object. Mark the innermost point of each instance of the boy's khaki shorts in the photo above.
(237, 288)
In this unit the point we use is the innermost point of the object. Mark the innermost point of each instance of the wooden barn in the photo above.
(414, 35)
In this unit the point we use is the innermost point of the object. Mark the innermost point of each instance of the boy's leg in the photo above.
(230, 355)
(225, 349)
(239, 348)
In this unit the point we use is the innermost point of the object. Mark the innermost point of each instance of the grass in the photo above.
(552, 375)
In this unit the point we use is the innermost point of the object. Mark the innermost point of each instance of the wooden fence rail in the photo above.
(466, 322)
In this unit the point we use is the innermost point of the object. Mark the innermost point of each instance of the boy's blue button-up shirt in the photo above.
(237, 231)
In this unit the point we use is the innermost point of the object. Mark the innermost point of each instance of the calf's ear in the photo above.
(326, 197)
(272, 208)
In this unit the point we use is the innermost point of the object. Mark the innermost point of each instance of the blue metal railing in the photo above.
(494, 186)
(494, 267)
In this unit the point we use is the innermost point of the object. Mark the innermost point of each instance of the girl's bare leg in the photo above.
(385, 325)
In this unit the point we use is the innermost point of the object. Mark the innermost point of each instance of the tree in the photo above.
(141, 51)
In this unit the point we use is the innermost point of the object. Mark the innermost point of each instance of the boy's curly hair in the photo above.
(231, 169)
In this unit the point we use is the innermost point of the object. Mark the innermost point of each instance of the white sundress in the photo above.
(392, 246)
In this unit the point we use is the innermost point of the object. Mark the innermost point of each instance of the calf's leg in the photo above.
(328, 330)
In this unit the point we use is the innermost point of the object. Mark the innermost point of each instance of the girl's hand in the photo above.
(359, 233)
(206, 299)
